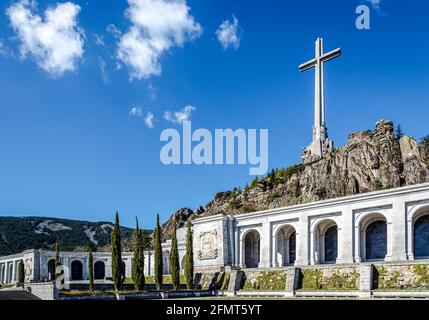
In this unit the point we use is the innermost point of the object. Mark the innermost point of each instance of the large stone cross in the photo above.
(320, 144)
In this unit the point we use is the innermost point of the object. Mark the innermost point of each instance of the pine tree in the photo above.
(189, 258)
(137, 267)
(174, 259)
(424, 147)
(158, 255)
(399, 133)
(57, 260)
(21, 273)
(116, 254)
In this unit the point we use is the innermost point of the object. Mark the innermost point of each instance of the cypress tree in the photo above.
(91, 270)
(116, 254)
(189, 258)
(138, 259)
(57, 260)
(158, 255)
(21, 273)
(174, 259)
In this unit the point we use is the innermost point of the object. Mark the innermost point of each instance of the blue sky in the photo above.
(70, 148)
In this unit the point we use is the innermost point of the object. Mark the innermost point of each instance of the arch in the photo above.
(252, 241)
(421, 236)
(99, 270)
(51, 269)
(76, 270)
(373, 236)
(326, 242)
(286, 245)
(331, 244)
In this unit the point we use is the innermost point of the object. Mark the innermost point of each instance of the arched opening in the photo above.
(286, 246)
(51, 269)
(376, 240)
(331, 244)
(326, 242)
(421, 237)
(99, 270)
(76, 270)
(252, 249)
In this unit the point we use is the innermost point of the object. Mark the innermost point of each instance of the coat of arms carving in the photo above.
(208, 246)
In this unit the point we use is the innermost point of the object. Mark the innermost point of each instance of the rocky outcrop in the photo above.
(181, 216)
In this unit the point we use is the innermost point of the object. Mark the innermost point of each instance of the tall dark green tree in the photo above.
(57, 260)
(399, 133)
(91, 269)
(116, 254)
(189, 258)
(174, 259)
(137, 268)
(158, 255)
(21, 273)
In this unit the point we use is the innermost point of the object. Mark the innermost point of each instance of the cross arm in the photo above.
(331, 55)
(307, 65)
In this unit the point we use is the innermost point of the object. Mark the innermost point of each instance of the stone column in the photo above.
(358, 249)
(274, 256)
(397, 240)
(302, 241)
(13, 271)
(236, 247)
(265, 244)
(345, 237)
(410, 238)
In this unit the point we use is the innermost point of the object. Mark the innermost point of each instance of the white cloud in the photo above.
(136, 112)
(55, 42)
(149, 120)
(103, 70)
(157, 26)
(5, 51)
(179, 116)
(113, 30)
(99, 40)
(227, 34)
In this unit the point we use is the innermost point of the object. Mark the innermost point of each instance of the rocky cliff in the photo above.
(370, 161)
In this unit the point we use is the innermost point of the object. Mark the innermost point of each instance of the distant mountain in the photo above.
(18, 234)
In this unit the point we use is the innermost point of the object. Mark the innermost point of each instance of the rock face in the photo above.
(370, 161)
(181, 216)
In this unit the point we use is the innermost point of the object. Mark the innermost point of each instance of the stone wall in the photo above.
(401, 277)
(264, 280)
(44, 291)
(212, 280)
(333, 278)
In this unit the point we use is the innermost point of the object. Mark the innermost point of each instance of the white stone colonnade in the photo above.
(376, 226)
